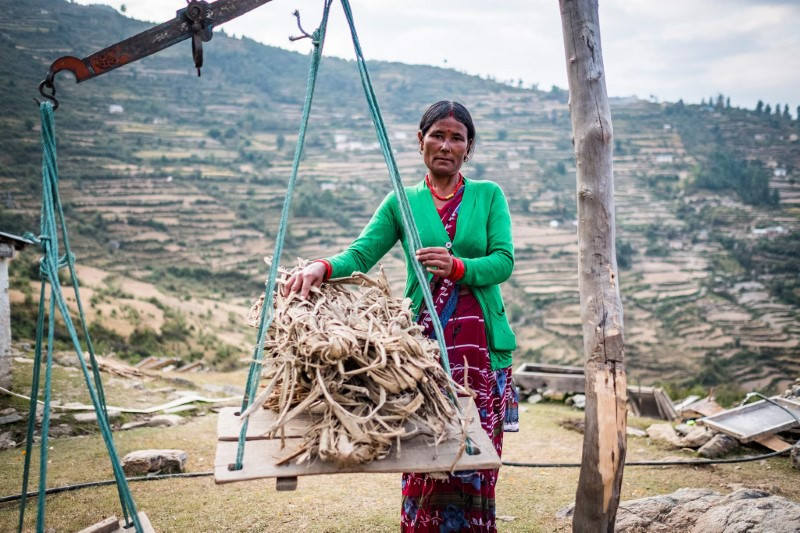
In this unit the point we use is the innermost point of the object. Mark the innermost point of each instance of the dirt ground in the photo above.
(527, 498)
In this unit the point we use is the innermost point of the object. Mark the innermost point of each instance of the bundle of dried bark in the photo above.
(353, 357)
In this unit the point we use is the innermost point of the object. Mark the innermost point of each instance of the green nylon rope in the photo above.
(414, 242)
(267, 311)
(50, 264)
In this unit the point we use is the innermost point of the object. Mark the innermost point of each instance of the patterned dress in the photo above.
(462, 501)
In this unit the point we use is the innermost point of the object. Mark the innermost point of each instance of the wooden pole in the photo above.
(604, 443)
(6, 254)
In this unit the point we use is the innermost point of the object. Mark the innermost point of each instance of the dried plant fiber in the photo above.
(352, 356)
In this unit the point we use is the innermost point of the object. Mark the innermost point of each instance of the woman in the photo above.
(466, 230)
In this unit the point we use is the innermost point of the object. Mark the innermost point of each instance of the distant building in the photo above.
(116, 109)
(770, 231)
(665, 158)
(779, 172)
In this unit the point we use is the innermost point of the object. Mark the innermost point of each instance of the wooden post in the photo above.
(6, 254)
(604, 443)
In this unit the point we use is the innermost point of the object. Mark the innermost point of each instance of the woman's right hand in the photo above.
(311, 276)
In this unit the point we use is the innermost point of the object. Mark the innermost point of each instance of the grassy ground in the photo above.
(527, 498)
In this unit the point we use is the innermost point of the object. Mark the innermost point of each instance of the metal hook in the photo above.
(48, 82)
(305, 35)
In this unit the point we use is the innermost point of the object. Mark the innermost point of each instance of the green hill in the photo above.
(181, 191)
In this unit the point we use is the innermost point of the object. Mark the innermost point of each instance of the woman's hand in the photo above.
(311, 276)
(437, 260)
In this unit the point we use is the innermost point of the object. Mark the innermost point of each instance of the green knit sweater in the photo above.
(483, 242)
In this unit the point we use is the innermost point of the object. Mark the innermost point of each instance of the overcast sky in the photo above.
(690, 49)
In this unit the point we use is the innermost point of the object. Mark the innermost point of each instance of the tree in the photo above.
(778, 109)
(760, 107)
(720, 101)
(728, 102)
(604, 441)
(786, 113)
(768, 110)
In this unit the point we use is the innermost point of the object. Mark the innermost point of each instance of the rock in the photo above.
(635, 432)
(553, 396)
(795, 455)
(565, 513)
(683, 429)
(579, 401)
(144, 462)
(718, 446)
(697, 437)
(166, 421)
(7, 411)
(157, 421)
(575, 424)
(7, 441)
(10, 418)
(91, 416)
(61, 430)
(506, 518)
(535, 398)
(664, 434)
(706, 511)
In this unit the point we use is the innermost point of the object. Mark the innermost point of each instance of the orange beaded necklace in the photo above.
(449, 196)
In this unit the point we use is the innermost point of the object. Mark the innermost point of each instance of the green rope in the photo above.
(414, 242)
(267, 311)
(50, 264)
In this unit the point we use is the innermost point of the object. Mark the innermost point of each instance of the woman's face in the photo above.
(444, 147)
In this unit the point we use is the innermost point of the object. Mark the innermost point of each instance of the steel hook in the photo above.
(48, 82)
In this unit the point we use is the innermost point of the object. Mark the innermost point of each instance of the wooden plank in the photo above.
(553, 369)
(114, 525)
(532, 381)
(415, 455)
(228, 424)
(108, 525)
(774, 443)
(754, 420)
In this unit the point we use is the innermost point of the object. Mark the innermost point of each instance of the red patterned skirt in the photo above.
(463, 501)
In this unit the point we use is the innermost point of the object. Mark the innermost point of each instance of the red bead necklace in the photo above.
(449, 196)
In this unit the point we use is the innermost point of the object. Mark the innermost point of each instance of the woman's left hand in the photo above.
(437, 260)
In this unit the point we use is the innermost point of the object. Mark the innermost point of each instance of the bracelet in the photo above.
(328, 268)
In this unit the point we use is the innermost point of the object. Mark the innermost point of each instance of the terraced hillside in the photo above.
(177, 182)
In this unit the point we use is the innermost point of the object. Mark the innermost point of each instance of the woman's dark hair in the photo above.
(444, 109)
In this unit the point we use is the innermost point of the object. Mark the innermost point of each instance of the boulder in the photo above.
(10, 418)
(665, 434)
(706, 511)
(61, 430)
(157, 421)
(718, 446)
(91, 416)
(535, 398)
(553, 395)
(144, 462)
(697, 437)
(578, 401)
(7, 441)
(795, 455)
(635, 432)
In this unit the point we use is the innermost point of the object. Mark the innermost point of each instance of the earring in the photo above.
(466, 158)
(420, 150)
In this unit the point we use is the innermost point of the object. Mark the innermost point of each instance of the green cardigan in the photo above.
(483, 242)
